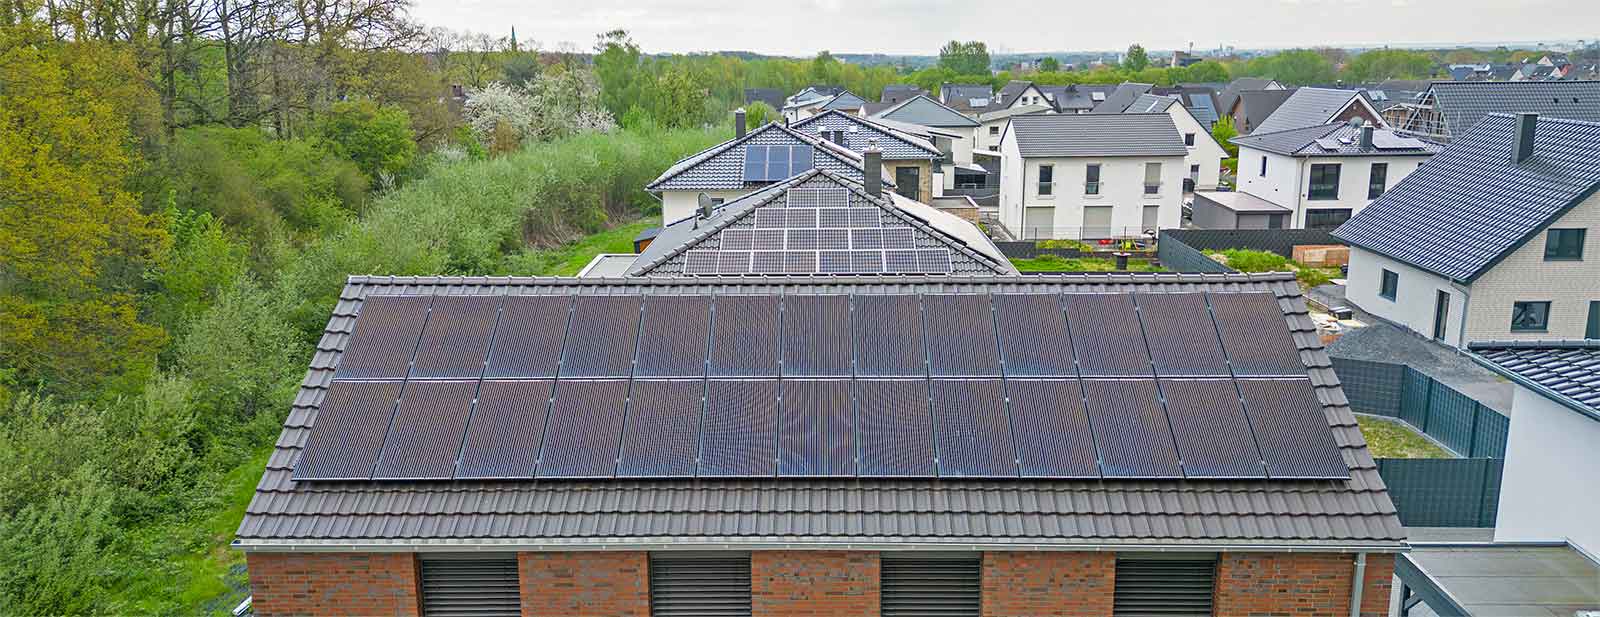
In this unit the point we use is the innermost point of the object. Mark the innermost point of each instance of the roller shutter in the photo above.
(476, 587)
(701, 584)
(1164, 587)
(931, 585)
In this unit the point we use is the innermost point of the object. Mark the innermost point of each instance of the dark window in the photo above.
(1047, 179)
(1188, 139)
(1530, 317)
(1441, 314)
(1592, 330)
(994, 130)
(1263, 167)
(1324, 181)
(690, 583)
(1091, 180)
(1275, 221)
(1327, 218)
(908, 182)
(1564, 245)
(1379, 178)
(930, 584)
(471, 586)
(1389, 286)
(1164, 586)
(1152, 178)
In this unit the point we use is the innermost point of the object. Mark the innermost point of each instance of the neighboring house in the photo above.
(1091, 176)
(1252, 107)
(844, 101)
(1077, 98)
(1449, 108)
(1016, 94)
(1495, 238)
(1536, 72)
(1319, 106)
(1311, 178)
(969, 99)
(1199, 100)
(959, 129)
(771, 96)
(1203, 165)
(822, 446)
(893, 94)
(1121, 98)
(1228, 97)
(993, 124)
(910, 159)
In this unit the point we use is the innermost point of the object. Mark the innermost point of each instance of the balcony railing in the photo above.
(1047, 188)
(1152, 189)
(1091, 188)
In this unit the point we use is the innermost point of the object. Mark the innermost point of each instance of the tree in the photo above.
(1209, 71)
(1295, 67)
(678, 101)
(965, 58)
(617, 66)
(1223, 131)
(759, 113)
(377, 139)
(1136, 60)
(1381, 64)
(1049, 65)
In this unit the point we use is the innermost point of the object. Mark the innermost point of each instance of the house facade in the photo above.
(1203, 165)
(955, 132)
(912, 160)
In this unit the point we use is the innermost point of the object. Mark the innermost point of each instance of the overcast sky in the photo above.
(920, 26)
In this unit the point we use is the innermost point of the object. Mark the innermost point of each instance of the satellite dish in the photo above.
(706, 204)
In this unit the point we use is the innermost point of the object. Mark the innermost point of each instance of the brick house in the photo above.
(1050, 445)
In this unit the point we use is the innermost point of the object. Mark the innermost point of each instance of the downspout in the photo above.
(1466, 306)
(1355, 586)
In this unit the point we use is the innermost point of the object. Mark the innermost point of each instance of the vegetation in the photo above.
(1065, 244)
(1224, 132)
(964, 58)
(1391, 439)
(1136, 59)
(1056, 263)
(1245, 260)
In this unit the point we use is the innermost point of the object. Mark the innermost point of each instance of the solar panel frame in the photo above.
(673, 336)
(746, 336)
(900, 261)
(755, 163)
(1291, 426)
(834, 262)
(1214, 436)
(384, 341)
(768, 239)
(833, 218)
(899, 238)
(1255, 335)
(661, 430)
(583, 432)
(530, 337)
(833, 239)
(965, 343)
(425, 435)
(739, 433)
(889, 339)
(816, 336)
(1182, 340)
(507, 426)
(349, 432)
(894, 428)
(866, 239)
(1131, 429)
(1033, 335)
(799, 262)
(700, 261)
(804, 218)
(1106, 335)
(866, 218)
(816, 428)
(455, 343)
(934, 261)
(608, 328)
(1054, 436)
(972, 430)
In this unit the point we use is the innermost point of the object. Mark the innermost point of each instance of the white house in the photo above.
(1203, 165)
(955, 132)
(1311, 178)
(810, 102)
(1090, 176)
(992, 123)
(1496, 238)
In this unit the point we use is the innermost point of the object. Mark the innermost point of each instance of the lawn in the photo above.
(1391, 439)
(1056, 263)
(568, 259)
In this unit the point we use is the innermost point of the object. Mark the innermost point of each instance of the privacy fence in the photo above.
(1280, 241)
(1178, 256)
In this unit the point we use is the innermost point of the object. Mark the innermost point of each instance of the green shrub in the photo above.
(1245, 260)
(1065, 244)
(1314, 277)
(376, 138)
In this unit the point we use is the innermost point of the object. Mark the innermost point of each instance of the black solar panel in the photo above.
(426, 433)
(799, 262)
(800, 218)
(800, 159)
(866, 261)
(745, 337)
(866, 239)
(604, 331)
(507, 426)
(889, 336)
(385, 338)
(672, 338)
(865, 217)
(767, 262)
(1182, 339)
(816, 336)
(1106, 335)
(1292, 428)
(755, 163)
(739, 434)
(899, 238)
(1051, 429)
(1131, 430)
(584, 429)
(456, 347)
(527, 343)
(350, 427)
(1033, 335)
(733, 262)
(834, 262)
(700, 262)
(1214, 439)
(661, 435)
(894, 425)
(737, 239)
(767, 239)
(816, 429)
(971, 429)
(1255, 335)
(964, 342)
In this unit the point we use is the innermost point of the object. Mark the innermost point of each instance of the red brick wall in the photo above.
(1270, 584)
(334, 584)
(587, 584)
(1048, 583)
(813, 583)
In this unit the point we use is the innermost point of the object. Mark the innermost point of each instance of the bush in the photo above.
(376, 138)
(262, 186)
(1065, 244)
(1245, 260)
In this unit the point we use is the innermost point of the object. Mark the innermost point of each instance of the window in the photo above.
(1376, 182)
(1326, 218)
(930, 584)
(1152, 218)
(1324, 181)
(1530, 316)
(470, 585)
(1592, 329)
(1047, 177)
(1389, 286)
(1168, 585)
(1564, 245)
(1188, 139)
(994, 130)
(908, 182)
(1091, 179)
(1441, 314)
(1263, 167)
(692, 583)
(1194, 173)
(1152, 178)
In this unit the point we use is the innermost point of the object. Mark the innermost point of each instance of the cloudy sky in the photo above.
(920, 26)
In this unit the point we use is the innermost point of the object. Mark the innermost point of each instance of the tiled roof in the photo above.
(1020, 110)
(923, 110)
(1040, 135)
(1469, 205)
(1121, 98)
(1311, 140)
(895, 93)
(1567, 371)
(896, 144)
(844, 100)
(722, 166)
(1463, 104)
(1306, 514)
(770, 96)
(1150, 103)
(966, 98)
(1259, 104)
(1307, 107)
(1230, 94)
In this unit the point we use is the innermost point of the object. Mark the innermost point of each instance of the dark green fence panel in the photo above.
(1179, 257)
(1451, 415)
(1372, 387)
(1444, 492)
(1415, 388)
(1493, 429)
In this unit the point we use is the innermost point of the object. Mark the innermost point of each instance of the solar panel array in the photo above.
(774, 163)
(819, 231)
(1184, 385)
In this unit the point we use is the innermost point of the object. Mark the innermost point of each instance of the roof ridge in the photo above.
(1544, 118)
(1040, 279)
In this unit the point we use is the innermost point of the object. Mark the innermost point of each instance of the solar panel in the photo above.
(816, 336)
(834, 262)
(799, 262)
(833, 217)
(814, 197)
(893, 421)
(964, 342)
(816, 429)
(865, 217)
(833, 239)
(350, 426)
(385, 337)
(866, 239)
(739, 434)
(771, 218)
(700, 262)
(800, 217)
(1106, 335)
(745, 336)
(1255, 335)
(1385, 140)
(1130, 429)
(426, 433)
(866, 261)
(736, 239)
(604, 331)
(1182, 339)
(507, 425)
(528, 341)
(1033, 335)
(933, 261)
(1214, 439)
(1051, 429)
(800, 159)
(767, 262)
(584, 429)
(803, 240)
(971, 430)
(777, 163)
(661, 435)
(733, 262)
(900, 261)
(768, 239)
(1292, 428)
(899, 238)
(672, 337)
(755, 163)
(888, 331)
(455, 344)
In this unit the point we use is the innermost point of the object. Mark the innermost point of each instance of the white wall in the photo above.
(1121, 187)
(984, 140)
(1205, 152)
(1524, 275)
(1288, 180)
(1413, 304)
(679, 205)
(1548, 490)
(1010, 182)
(1279, 186)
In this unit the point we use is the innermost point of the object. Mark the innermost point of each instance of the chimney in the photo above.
(1522, 142)
(1366, 136)
(872, 169)
(738, 123)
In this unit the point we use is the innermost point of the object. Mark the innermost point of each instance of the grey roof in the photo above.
(607, 265)
(1009, 93)
(1020, 110)
(1201, 101)
(1258, 105)
(1566, 371)
(966, 98)
(1151, 103)
(1463, 104)
(923, 110)
(1469, 205)
(895, 93)
(1239, 202)
(1042, 135)
(1309, 141)
(1307, 107)
(1300, 513)
(844, 100)
(1230, 94)
(1078, 97)
(770, 96)
(1524, 580)
(1121, 98)
(896, 144)
(722, 166)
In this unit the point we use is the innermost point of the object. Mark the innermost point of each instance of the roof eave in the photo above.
(1541, 389)
(674, 543)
